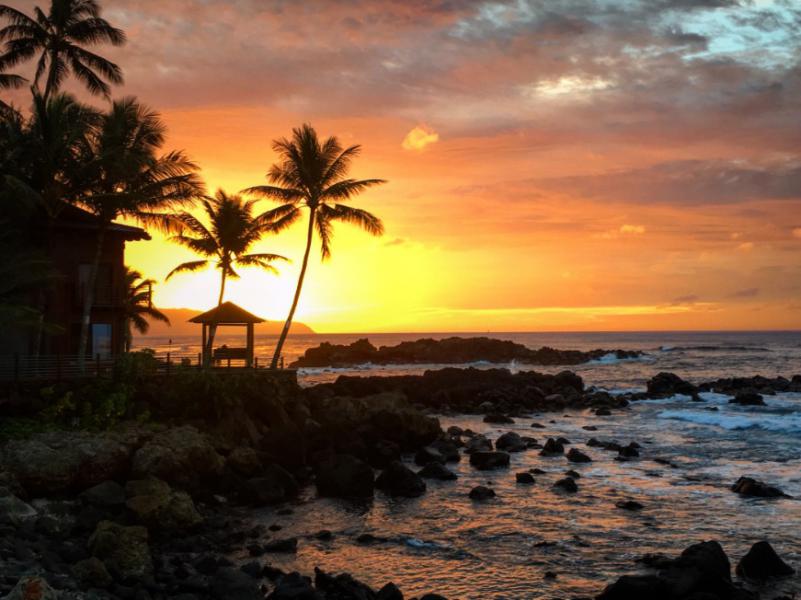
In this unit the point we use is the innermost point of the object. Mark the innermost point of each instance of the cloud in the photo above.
(688, 299)
(419, 137)
(632, 229)
(746, 293)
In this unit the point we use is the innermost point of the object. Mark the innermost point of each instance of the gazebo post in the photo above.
(204, 353)
(249, 359)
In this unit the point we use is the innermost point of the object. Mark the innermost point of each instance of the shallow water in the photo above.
(502, 548)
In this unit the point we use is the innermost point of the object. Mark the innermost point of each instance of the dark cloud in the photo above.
(746, 293)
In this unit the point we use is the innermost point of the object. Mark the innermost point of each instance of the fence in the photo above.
(59, 367)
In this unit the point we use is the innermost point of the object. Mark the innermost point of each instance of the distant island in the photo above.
(180, 325)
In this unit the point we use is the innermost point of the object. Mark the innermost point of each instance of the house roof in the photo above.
(226, 313)
(72, 217)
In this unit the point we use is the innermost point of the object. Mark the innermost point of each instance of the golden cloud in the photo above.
(419, 137)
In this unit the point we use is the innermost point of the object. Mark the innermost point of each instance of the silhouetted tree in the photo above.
(138, 305)
(313, 174)
(61, 37)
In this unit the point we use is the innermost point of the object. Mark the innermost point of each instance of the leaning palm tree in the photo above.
(130, 179)
(232, 230)
(312, 174)
(60, 37)
(138, 305)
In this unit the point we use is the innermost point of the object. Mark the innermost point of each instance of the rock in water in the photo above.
(525, 478)
(577, 456)
(399, 480)
(498, 419)
(762, 563)
(552, 448)
(124, 550)
(428, 455)
(668, 384)
(478, 443)
(481, 492)
(748, 399)
(437, 471)
(747, 486)
(484, 461)
(567, 484)
(344, 476)
(510, 442)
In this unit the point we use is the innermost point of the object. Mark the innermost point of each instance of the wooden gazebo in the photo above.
(227, 314)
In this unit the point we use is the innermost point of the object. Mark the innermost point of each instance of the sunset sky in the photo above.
(552, 165)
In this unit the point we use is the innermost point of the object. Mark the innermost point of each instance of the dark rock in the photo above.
(399, 480)
(344, 476)
(484, 461)
(552, 448)
(748, 399)
(206, 565)
(669, 384)
(284, 546)
(91, 572)
(341, 586)
(590, 428)
(526, 478)
(567, 484)
(294, 587)
(389, 592)
(629, 451)
(481, 492)
(573, 474)
(108, 493)
(478, 443)
(498, 419)
(244, 461)
(324, 535)
(252, 568)
(577, 456)
(602, 412)
(123, 550)
(159, 507)
(437, 471)
(637, 587)
(428, 455)
(747, 486)
(538, 426)
(761, 563)
(274, 484)
(510, 442)
(629, 505)
(233, 584)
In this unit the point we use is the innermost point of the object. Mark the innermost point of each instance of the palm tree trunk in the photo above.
(89, 296)
(285, 331)
(213, 328)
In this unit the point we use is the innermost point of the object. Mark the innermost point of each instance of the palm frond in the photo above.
(357, 216)
(187, 267)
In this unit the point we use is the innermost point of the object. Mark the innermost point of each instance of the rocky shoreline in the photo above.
(453, 350)
(155, 511)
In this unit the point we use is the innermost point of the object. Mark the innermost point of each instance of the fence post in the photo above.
(229, 363)
(199, 359)
(256, 363)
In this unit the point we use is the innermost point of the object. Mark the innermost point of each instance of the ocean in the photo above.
(692, 453)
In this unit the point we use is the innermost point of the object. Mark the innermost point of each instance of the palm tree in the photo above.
(9, 81)
(61, 37)
(312, 174)
(129, 179)
(138, 305)
(233, 229)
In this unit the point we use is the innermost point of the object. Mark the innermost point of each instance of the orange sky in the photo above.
(580, 165)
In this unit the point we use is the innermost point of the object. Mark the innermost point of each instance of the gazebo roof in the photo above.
(226, 313)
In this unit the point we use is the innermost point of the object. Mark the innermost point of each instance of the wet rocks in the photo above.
(484, 461)
(15, 511)
(761, 563)
(478, 443)
(106, 494)
(552, 447)
(274, 484)
(524, 478)
(344, 476)
(92, 573)
(427, 455)
(481, 492)
(181, 456)
(568, 484)
(282, 546)
(629, 505)
(123, 550)
(748, 398)
(577, 456)
(498, 419)
(747, 486)
(510, 442)
(669, 384)
(628, 452)
(159, 507)
(399, 480)
(437, 471)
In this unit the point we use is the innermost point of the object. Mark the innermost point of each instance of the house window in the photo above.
(101, 339)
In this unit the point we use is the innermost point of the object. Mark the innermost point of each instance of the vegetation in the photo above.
(60, 37)
(138, 305)
(313, 174)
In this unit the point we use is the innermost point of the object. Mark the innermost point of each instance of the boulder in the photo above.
(399, 480)
(181, 456)
(526, 478)
(481, 492)
(510, 442)
(427, 455)
(669, 384)
(282, 546)
(294, 586)
(274, 485)
(552, 448)
(232, 584)
(761, 563)
(577, 456)
(341, 586)
(244, 461)
(478, 443)
(15, 511)
(91, 573)
(629, 505)
(344, 476)
(106, 494)
(59, 461)
(748, 486)
(32, 587)
(437, 471)
(161, 508)
(567, 484)
(498, 419)
(748, 399)
(484, 461)
(124, 550)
